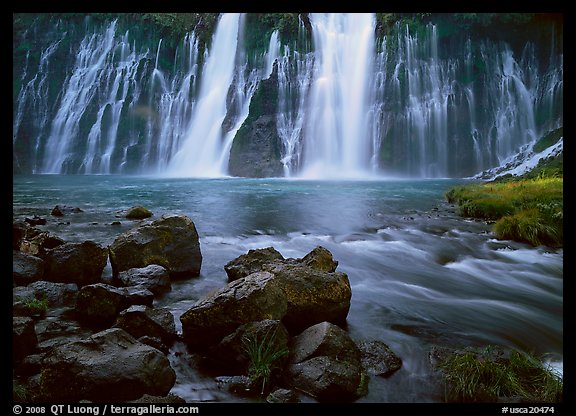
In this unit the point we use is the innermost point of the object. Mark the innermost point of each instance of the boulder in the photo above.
(80, 263)
(251, 262)
(26, 268)
(314, 290)
(98, 304)
(153, 277)
(283, 396)
(109, 366)
(57, 294)
(378, 359)
(325, 363)
(24, 338)
(138, 213)
(171, 242)
(141, 320)
(31, 240)
(253, 298)
(313, 296)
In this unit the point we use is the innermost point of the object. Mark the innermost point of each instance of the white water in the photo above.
(347, 108)
(96, 78)
(201, 151)
(336, 143)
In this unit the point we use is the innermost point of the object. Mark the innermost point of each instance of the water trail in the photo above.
(201, 150)
(336, 142)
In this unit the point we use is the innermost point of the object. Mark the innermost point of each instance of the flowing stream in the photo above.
(420, 274)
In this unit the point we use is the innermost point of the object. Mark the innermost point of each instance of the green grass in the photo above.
(264, 355)
(19, 393)
(36, 306)
(481, 376)
(525, 210)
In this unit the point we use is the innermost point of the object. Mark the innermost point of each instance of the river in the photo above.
(420, 274)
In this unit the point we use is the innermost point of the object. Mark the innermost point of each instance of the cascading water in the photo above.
(336, 142)
(168, 125)
(407, 104)
(97, 79)
(202, 148)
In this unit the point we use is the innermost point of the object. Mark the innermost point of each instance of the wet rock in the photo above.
(24, 338)
(251, 262)
(141, 320)
(325, 363)
(231, 355)
(378, 359)
(26, 268)
(108, 366)
(80, 263)
(171, 242)
(138, 213)
(153, 277)
(98, 305)
(57, 294)
(283, 396)
(170, 398)
(253, 298)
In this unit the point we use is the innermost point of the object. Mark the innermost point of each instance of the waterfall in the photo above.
(415, 102)
(336, 142)
(173, 104)
(102, 79)
(201, 152)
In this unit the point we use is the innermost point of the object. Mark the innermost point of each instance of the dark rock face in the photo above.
(325, 363)
(26, 268)
(378, 359)
(171, 242)
(253, 298)
(251, 262)
(256, 150)
(98, 305)
(107, 366)
(24, 338)
(153, 277)
(80, 263)
(314, 290)
(141, 320)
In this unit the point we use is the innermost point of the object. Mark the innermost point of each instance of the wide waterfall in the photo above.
(348, 100)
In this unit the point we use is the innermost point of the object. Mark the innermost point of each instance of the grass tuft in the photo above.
(264, 355)
(483, 376)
